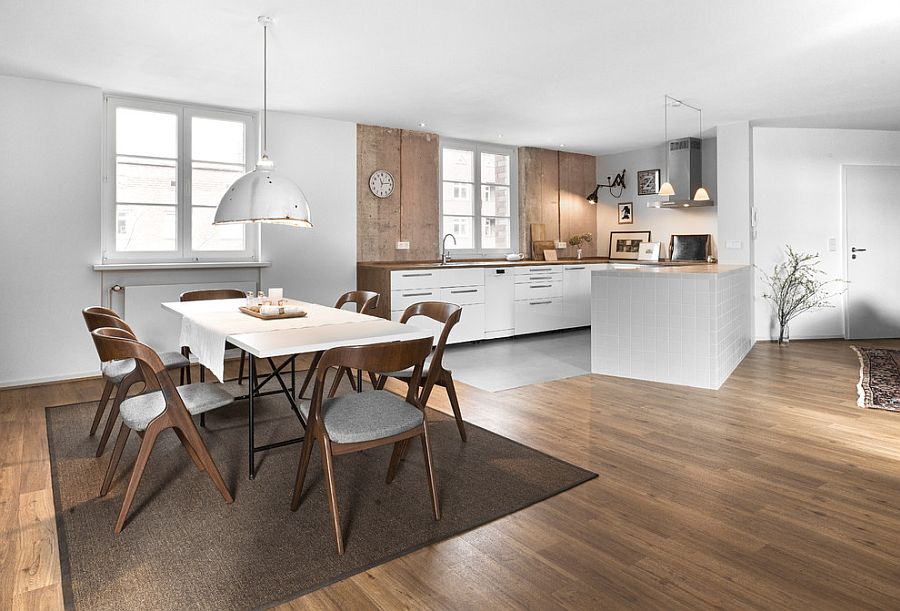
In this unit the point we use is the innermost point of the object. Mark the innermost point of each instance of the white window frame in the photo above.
(477, 148)
(184, 114)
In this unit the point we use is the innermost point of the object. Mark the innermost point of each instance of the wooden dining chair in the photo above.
(121, 375)
(149, 414)
(359, 421)
(434, 373)
(365, 301)
(208, 295)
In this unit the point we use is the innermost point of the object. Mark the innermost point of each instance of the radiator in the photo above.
(156, 327)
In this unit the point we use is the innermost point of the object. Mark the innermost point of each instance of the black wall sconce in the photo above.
(616, 187)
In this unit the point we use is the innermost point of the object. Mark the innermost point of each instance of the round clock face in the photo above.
(381, 183)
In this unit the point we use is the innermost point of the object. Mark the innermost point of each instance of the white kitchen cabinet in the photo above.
(499, 302)
(415, 279)
(539, 315)
(576, 294)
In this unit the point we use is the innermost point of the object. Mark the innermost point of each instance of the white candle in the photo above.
(275, 295)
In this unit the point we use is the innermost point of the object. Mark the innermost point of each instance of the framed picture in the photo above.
(626, 244)
(648, 251)
(626, 213)
(648, 182)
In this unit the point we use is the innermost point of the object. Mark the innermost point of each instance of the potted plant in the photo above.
(578, 239)
(797, 285)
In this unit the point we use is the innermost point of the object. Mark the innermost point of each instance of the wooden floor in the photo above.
(774, 492)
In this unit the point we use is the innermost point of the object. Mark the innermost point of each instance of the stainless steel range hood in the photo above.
(685, 165)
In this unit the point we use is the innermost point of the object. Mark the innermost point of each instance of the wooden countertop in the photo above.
(394, 265)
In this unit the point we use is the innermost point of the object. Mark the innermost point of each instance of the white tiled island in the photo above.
(686, 325)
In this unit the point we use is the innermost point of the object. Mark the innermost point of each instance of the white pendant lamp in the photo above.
(701, 194)
(263, 195)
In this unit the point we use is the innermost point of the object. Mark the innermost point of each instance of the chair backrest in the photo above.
(376, 358)
(364, 300)
(448, 314)
(207, 294)
(115, 343)
(96, 317)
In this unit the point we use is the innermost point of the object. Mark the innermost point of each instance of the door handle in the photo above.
(854, 249)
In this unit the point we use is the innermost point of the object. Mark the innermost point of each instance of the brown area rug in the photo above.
(184, 547)
(879, 378)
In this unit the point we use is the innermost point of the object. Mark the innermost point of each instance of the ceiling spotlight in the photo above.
(499, 135)
(562, 146)
(422, 124)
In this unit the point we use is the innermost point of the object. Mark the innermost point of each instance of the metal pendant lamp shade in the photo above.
(263, 195)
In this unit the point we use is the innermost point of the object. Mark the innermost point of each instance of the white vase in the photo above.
(578, 253)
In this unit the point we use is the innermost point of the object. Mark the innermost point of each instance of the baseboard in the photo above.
(800, 338)
(27, 382)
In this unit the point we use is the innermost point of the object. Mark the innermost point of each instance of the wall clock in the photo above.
(381, 183)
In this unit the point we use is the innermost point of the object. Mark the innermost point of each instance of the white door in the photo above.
(872, 204)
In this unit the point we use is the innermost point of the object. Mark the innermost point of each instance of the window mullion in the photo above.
(476, 197)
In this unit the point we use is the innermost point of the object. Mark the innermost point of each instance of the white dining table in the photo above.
(208, 323)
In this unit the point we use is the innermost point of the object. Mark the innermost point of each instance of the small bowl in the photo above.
(515, 257)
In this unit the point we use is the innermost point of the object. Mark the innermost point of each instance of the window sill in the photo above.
(127, 267)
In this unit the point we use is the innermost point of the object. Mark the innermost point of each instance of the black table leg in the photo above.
(359, 380)
(250, 394)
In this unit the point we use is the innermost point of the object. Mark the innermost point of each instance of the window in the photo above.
(487, 226)
(168, 166)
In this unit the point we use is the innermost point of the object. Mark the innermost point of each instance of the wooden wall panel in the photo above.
(577, 179)
(552, 189)
(411, 212)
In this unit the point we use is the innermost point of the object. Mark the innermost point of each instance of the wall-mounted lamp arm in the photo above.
(616, 187)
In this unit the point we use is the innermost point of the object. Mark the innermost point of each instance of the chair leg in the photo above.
(337, 382)
(187, 370)
(203, 419)
(122, 392)
(190, 450)
(379, 384)
(396, 457)
(194, 439)
(454, 403)
(328, 468)
(350, 377)
(101, 407)
(310, 373)
(305, 454)
(137, 472)
(429, 471)
(241, 368)
(124, 431)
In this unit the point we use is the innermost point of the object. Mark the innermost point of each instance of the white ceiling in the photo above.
(590, 75)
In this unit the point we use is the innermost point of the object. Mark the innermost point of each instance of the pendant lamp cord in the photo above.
(266, 87)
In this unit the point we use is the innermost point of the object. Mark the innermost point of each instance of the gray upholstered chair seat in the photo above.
(137, 412)
(115, 371)
(357, 417)
(408, 372)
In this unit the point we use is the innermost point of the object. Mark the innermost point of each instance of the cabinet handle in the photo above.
(418, 294)
(416, 275)
(549, 301)
(541, 286)
(540, 278)
(539, 269)
(574, 268)
(464, 291)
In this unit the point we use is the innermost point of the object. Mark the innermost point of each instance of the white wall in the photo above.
(734, 192)
(50, 230)
(797, 193)
(661, 222)
(317, 264)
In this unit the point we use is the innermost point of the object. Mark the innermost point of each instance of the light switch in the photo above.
(402, 245)
(832, 244)
(560, 244)
(733, 244)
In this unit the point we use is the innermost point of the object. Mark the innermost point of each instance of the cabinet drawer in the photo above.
(469, 276)
(537, 270)
(539, 289)
(400, 300)
(537, 315)
(415, 279)
(463, 295)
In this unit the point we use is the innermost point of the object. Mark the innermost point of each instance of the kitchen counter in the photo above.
(686, 325)
(393, 265)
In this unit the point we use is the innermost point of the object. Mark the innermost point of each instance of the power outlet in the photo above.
(733, 244)
(832, 244)
(560, 244)
(402, 245)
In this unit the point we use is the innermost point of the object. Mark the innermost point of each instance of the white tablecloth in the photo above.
(206, 324)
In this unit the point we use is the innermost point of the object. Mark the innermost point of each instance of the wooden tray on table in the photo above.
(254, 311)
